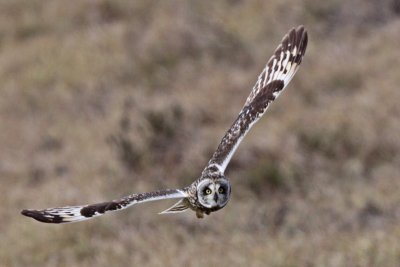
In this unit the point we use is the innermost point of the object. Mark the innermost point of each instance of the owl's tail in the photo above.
(180, 206)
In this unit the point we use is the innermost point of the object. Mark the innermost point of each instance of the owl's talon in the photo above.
(199, 214)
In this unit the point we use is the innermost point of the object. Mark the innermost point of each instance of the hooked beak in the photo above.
(215, 197)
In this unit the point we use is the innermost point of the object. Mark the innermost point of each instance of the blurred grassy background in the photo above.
(99, 99)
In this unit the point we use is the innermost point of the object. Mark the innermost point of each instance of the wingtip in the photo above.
(301, 31)
(300, 27)
(301, 39)
(32, 214)
(27, 213)
(41, 217)
(304, 32)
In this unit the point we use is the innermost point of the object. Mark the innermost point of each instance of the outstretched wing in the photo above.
(85, 212)
(278, 72)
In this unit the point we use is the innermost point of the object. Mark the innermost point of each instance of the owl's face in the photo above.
(213, 194)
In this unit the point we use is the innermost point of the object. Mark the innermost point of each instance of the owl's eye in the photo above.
(221, 190)
(207, 191)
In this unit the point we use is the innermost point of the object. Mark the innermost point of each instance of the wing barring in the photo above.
(276, 75)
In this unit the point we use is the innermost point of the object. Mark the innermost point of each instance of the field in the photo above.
(101, 99)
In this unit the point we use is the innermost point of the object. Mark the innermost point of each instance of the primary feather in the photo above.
(85, 212)
(276, 75)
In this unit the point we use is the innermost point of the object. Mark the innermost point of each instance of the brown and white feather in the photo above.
(276, 75)
(80, 213)
(211, 191)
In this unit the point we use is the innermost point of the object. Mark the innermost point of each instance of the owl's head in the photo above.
(213, 193)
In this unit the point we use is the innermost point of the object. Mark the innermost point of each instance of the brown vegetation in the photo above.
(99, 99)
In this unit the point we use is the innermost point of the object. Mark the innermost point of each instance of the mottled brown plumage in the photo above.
(211, 191)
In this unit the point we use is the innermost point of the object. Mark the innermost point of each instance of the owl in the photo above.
(212, 190)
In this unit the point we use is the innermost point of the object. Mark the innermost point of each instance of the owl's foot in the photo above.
(199, 214)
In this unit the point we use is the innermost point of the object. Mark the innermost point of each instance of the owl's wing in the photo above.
(278, 72)
(85, 212)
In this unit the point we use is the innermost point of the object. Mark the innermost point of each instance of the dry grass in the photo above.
(100, 99)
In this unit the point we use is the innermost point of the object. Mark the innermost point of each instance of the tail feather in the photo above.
(180, 206)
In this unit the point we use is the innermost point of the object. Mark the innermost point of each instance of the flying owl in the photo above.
(212, 190)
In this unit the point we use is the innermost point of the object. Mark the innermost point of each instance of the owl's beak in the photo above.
(216, 197)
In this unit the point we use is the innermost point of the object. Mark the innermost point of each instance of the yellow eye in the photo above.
(221, 190)
(208, 191)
